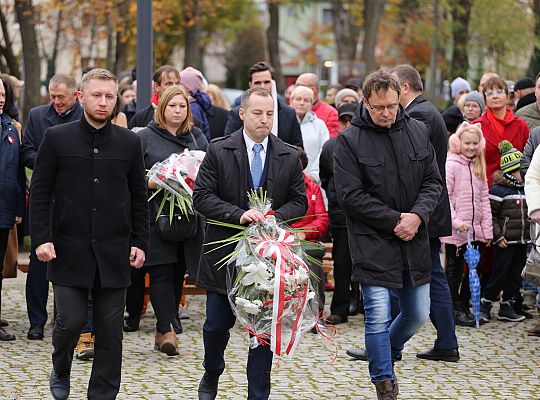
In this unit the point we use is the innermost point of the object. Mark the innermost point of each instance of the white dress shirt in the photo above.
(249, 146)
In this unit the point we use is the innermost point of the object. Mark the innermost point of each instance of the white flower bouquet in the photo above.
(269, 282)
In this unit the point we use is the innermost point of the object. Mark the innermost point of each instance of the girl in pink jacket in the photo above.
(469, 202)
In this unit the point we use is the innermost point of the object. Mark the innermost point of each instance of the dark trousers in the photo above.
(37, 291)
(135, 293)
(162, 295)
(441, 311)
(4, 234)
(342, 272)
(219, 320)
(506, 273)
(89, 327)
(458, 280)
(71, 307)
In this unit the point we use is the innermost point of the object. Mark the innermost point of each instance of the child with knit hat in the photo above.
(510, 235)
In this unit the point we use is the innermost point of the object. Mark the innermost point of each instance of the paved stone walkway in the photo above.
(499, 361)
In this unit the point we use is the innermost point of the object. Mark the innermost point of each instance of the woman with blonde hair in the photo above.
(172, 131)
(314, 130)
(217, 97)
(468, 192)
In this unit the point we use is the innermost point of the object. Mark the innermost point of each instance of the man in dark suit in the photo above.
(63, 108)
(440, 224)
(261, 75)
(247, 159)
(94, 229)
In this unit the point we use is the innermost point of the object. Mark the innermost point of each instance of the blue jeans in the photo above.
(385, 337)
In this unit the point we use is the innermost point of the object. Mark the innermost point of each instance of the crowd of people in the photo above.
(375, 168)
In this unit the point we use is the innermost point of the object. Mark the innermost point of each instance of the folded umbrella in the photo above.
(472, 258)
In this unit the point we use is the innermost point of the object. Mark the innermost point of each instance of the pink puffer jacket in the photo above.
(469, 201)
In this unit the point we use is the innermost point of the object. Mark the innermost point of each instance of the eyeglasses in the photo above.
(490, 93)
(380, 109)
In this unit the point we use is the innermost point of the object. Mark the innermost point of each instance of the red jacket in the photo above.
(329, 115)
(516, 132)
(316, 218)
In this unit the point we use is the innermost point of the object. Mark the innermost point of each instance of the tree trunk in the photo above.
(346, 34)
(373, 11)
(51, 61)
(192, 35)
(534, 63)
(7, 52)
(25, 16)
(272, 38)
(459, 66)
(110, 43)
(122, 43)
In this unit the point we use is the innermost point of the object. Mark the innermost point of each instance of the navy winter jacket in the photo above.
(12, 181)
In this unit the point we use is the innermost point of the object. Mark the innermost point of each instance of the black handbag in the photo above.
(180, 228)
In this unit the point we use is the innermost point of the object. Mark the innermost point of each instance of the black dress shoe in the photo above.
(177, 325)
(35, 332)
(354, 306)
(59, 386)
(361, 354)
(131, 325)
(449, 355)
(208, 387)
(335, 319)
(462, 319)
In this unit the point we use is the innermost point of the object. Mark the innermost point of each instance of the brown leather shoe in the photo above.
(5, 336)
(534, 331)
(387, 390)
(3, 323)
(166, 342)
(85, 347)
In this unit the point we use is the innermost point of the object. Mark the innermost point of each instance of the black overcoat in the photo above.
(220, 194)
(380, 173)
(157, 145)
(89, 198)
(440, 223)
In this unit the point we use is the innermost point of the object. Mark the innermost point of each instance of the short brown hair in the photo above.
(98, 73)
(380, 81)
(254, 91)
(164, 100)
(165, 70)
(495, 83)
(408, 74)
(261, 66)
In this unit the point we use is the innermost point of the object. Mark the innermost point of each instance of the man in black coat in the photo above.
(261, 75)
(440, 223)
(89, 220)
(63, 108)
(231, 168)
(163, 78)
(388, 184)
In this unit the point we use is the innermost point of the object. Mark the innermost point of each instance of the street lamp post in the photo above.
(144, 53)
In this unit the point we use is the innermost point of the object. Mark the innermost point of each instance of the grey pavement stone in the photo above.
(499, 361)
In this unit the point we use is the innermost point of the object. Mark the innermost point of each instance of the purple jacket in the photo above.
(469, 201)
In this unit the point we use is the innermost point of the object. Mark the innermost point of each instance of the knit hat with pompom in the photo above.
(510, 157)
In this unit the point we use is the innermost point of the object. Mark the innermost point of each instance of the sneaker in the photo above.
(85, 347)
(485, 310)
(507, 312)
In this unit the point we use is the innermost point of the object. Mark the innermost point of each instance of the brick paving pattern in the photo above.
(499, 361)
